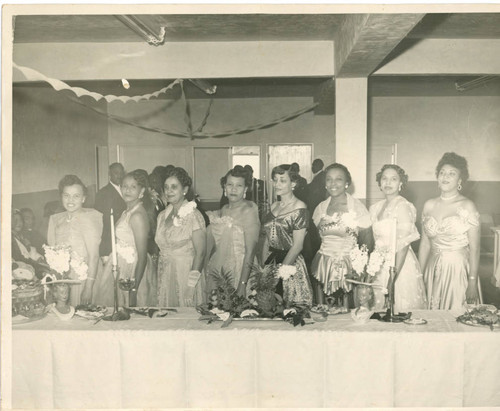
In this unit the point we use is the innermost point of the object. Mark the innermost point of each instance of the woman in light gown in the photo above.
(409, 286)
(233, 232)
(181, 237)
(449, 250)
(339, 219)
(285, 227)
(81, 229)
(134, 262)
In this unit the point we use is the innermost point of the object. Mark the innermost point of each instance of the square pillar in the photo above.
(351, 131)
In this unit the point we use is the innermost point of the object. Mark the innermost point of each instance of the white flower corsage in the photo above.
(127, 252)
(286, 271)
(79, 266)
(183, 212)
(58, 258)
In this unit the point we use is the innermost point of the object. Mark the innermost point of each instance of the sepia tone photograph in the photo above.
(250, 206)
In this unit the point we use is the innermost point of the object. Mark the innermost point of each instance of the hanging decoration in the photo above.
(58, 85)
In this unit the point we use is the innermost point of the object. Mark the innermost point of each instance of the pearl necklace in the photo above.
(449, 198)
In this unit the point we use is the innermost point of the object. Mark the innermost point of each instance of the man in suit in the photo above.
(110, 197)
(316, 191)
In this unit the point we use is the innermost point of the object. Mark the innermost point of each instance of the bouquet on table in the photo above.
(225, 304)
(61, 259)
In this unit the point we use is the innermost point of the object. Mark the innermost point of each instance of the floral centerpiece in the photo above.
(225, 304)
(61, 259)
(346, 220)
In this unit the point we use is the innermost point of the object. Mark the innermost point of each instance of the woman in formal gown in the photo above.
(409, 285)
(81, 229)
(339, 219)
(449, 249)
(133, 261)
(285, 226)
(233, 232)
(181, 237)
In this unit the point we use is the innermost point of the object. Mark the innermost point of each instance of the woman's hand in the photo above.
(472, 292)
(86, 295)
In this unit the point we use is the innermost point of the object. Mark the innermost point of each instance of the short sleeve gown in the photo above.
(82, 232)
(409, 289)
(126, 261)
(176, 257)
(446, 271)
(228, 233)
(332, 261)
(279, 231)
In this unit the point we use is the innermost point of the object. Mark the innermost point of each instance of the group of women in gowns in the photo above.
(444, 276)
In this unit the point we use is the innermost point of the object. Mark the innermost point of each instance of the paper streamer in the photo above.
(33, 75)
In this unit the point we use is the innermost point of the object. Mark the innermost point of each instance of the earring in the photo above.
(225, 193)
(347, 186)
(459, 186)
(400, 186)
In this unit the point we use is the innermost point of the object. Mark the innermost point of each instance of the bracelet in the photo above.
(243, 282)
(472, 278)
(134, 290)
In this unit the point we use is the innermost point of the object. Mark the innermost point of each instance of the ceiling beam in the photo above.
(364, 40)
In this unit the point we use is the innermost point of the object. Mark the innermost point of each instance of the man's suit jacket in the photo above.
(106, 199)
(316, 191)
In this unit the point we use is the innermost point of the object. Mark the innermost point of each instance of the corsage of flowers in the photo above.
(183, 212)
(359, 259)
(58, 257)
(347, 220)
(286, 271)
(127, 252)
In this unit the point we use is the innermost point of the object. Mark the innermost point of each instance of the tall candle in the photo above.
(113, 241)
(393, 241)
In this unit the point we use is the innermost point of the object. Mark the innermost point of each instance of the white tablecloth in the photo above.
(179, 361)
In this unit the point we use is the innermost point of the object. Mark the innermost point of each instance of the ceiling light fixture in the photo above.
(204, 85)
(152, 36)
(470, 84)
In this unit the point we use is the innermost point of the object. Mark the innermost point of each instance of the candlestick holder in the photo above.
(390, 316)
(118, 315)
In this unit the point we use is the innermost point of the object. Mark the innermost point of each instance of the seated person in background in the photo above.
(22, 250)
(36, 239)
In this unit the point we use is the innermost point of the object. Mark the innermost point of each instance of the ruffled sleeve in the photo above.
(197, 221)
(375, 210)
(319, 211)
(406, 231)
(468, 217)
(300, 219)
(362, 214)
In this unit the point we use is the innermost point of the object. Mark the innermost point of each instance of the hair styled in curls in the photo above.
(238, 171)
(291, 169)
(142, 179)
(456, 161)
(403, 177)
(180, 174)
(71, 180)
(338, 166)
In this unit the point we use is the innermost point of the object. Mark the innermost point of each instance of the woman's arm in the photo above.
(199, 245)
(139, 224)
(251, 234)
(423, 250)
(210, 245)
(474, 235)
(265, 251)
(298, 243)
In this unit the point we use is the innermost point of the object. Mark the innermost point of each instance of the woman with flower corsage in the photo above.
(285, 226)
(233, 232)
(409, 289)
(81, 229)
(339, 220)
(181, 237)
(449, 249)
(134, 262)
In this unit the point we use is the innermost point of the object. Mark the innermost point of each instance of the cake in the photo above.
(27, 298)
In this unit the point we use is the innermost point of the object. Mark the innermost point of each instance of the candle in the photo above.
(393, 241)
(113, 241)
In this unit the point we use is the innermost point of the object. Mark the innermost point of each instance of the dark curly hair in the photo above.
(456, 161)
(291, 169)
(338, 166)
(403, 177)
(238, 171)
(142, 179)
(181, 175)
(71, 180)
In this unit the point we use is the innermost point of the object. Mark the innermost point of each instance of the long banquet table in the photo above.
(179, 361)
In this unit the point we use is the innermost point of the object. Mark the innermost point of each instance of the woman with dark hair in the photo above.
(339, 220)
(81, 229)
(180, 235)
(449, 250)
(409, 284)
(286, 226)
(233, 232)
(134, 262)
